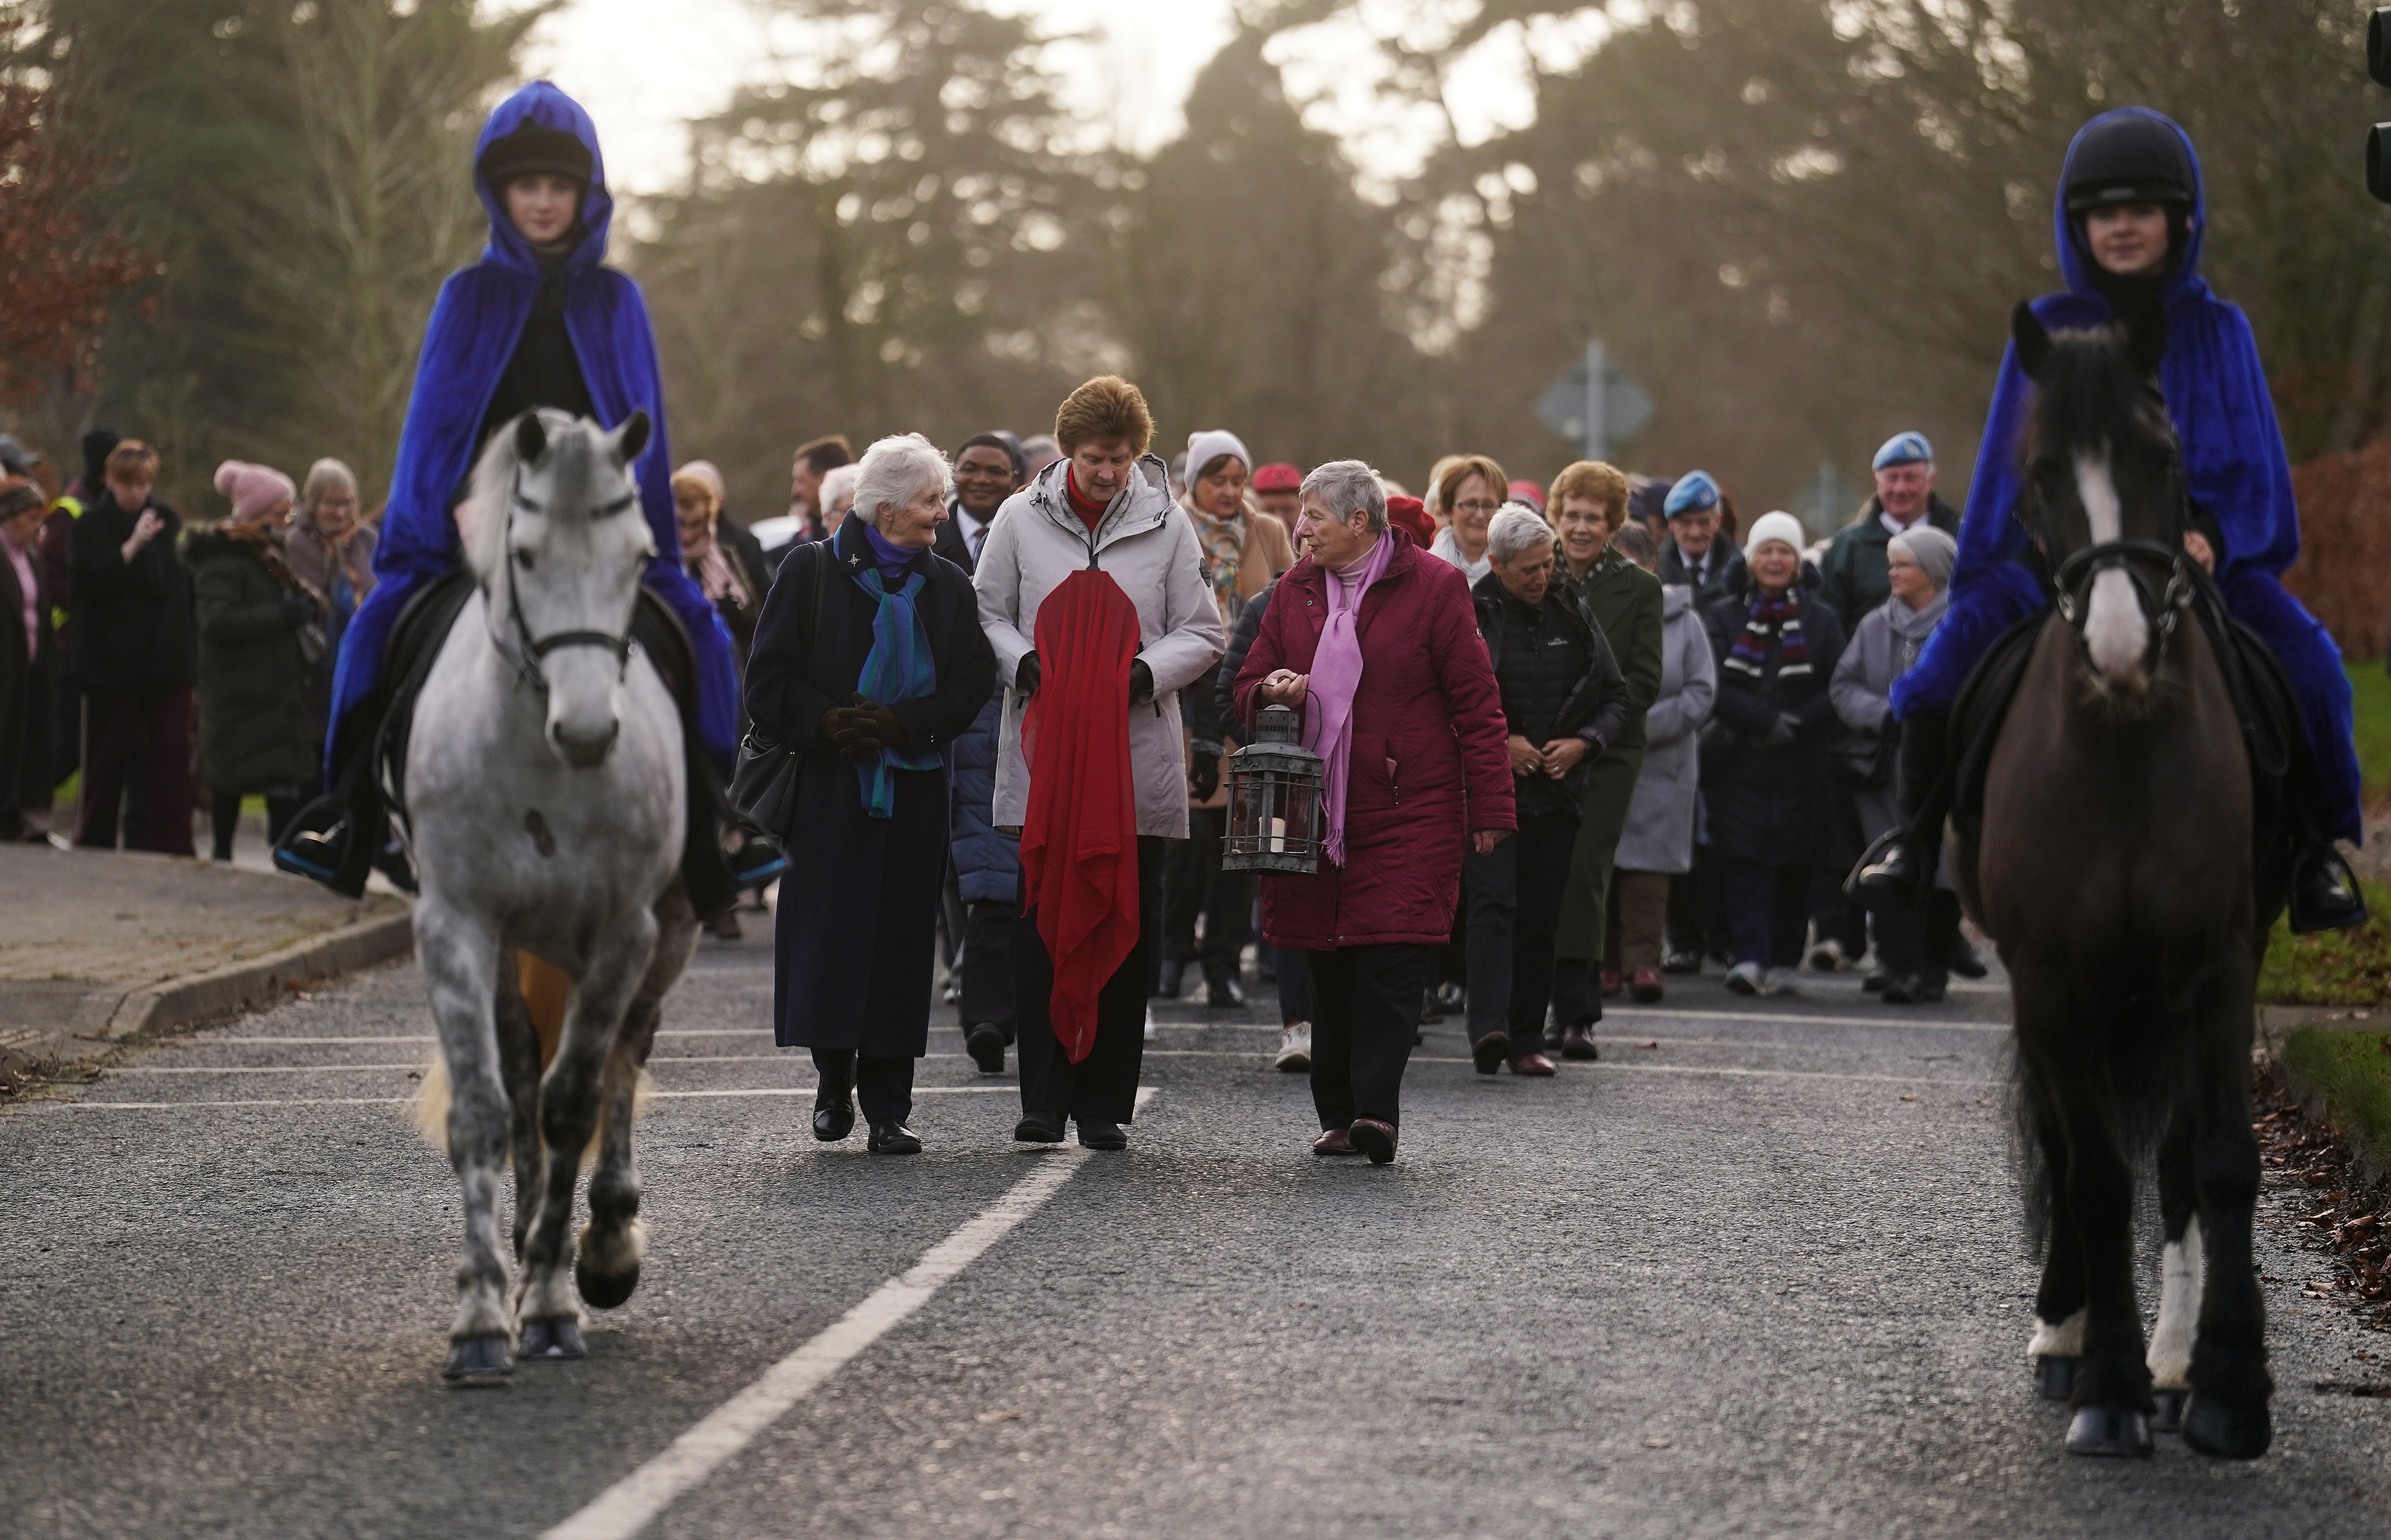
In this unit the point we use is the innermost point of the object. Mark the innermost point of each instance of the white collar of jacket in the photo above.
(1145, 504)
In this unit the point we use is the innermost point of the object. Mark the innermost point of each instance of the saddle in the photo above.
(2262, 696)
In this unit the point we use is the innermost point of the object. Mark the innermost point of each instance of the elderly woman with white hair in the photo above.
(868, 661)
(1764, 767)
(331, 549)
(1914, 950)
(1374, 641)
(1565, 702)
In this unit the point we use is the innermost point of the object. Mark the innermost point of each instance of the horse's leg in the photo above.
(606, 1265)
(2111, 1401)
(2226, 1415)
(2057, 1347)
(460, 957)
(2179, 1274)
(519, 1057)
(568, 1115)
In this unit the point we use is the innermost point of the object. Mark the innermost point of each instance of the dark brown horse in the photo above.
(2115, 868)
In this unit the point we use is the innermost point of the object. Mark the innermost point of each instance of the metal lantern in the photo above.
(1274, 799)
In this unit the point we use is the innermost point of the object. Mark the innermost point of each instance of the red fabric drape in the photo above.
(1079, 843)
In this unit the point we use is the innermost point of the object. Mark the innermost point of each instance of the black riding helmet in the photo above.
(2129, 159)
(532, 148)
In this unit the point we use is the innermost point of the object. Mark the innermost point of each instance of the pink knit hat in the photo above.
(253, 488)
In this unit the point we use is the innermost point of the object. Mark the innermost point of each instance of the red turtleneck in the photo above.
(1091, 512)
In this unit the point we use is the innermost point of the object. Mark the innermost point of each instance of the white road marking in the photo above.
(403, 1101)
(627, 1506)
(1653, 1013)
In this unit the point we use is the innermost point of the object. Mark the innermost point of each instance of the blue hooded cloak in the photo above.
(2234, 463)
(475, 324)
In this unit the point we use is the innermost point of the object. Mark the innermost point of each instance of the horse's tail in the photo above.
(428, 1110)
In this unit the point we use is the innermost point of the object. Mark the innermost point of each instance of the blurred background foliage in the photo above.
(1799, 223)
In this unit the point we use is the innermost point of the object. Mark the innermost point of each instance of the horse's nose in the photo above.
(584, 745)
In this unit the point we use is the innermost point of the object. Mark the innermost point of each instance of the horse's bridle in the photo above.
(536, 648)
(2161, 575)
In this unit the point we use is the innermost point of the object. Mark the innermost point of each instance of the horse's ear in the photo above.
(531, 437)
(2031, 340)
(2146, 336)
(631, 438)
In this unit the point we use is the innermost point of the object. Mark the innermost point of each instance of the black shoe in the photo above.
(1488, 1052)
(1887, 875)
(985, 1043)
(1933, 988)
(1682, 962)
(1905, 990)
(834, 1110)
(759, 861)
(1173, 974)
(1101, 1136)
(1874, 983)
(1452, 998)
(1429, 1009)
(1578, 1043)
(1967, 962)
(2324, 892)
(1034, 1130)
(890, 1136)
(1222, 991)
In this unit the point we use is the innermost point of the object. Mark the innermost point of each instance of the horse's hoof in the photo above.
(605, 1290)
(478, 1361)
(2109, 1431)
(2054, 1377)
(558, 1337)
(2226, 1432)
(2168, 1418)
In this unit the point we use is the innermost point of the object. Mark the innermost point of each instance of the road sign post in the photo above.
(1595, 404)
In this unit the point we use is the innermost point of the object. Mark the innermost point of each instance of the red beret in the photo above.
(1278, 478)
(1410, 514)
(1527, 492)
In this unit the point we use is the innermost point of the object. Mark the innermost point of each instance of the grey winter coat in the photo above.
(1150, 549)
(1860, 689)
(1659, 832)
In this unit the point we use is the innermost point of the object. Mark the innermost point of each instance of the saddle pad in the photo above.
(1976, 716)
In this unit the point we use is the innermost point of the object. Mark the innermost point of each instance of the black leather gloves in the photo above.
(1204, 774)
(1140, 682)
(1025, 677)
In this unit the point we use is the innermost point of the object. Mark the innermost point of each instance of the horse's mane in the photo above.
(482, 518)
(2089, 398)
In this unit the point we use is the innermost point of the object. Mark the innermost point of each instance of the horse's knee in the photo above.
(478, 1122)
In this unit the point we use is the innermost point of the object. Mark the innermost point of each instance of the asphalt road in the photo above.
(1760, 1271)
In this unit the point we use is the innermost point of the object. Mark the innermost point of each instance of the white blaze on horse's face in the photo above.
(2116, 633)
(577, 544)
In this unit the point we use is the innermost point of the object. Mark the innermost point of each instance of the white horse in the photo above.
(545, 777)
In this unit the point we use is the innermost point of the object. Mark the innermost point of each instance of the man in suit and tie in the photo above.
(987, 471)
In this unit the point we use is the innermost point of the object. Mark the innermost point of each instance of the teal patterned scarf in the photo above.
(899, 668)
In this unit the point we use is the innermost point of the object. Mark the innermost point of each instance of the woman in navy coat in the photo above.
(869, 663)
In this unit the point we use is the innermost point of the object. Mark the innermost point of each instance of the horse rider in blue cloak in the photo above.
(2236, 476)
(538, 322)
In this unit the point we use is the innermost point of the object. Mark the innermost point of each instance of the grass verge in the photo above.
(2336, 967)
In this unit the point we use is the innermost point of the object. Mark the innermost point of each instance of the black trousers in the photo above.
(1193, 884)
(1101, 1088)
(1911, 941)
(1514, 900)
(1767, 911)
(986, 997)
(1698, 906)
(224, 816)
(884, 1088)
(1365, 1008)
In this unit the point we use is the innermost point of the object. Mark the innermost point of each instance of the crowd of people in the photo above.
(1576, 736)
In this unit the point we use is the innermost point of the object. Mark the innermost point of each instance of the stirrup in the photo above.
(2324, 893)
(1887, 875)
(759, 861)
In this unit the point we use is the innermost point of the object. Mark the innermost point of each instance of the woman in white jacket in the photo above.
(1104, 507)
(1658, 843)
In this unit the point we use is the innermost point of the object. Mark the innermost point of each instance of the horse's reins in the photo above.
(536, 648)
(2161, 576)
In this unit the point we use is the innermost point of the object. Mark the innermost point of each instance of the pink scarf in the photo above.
(1336, 675)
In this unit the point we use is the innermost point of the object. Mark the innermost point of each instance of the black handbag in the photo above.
(1861, 760)
(1716, 746)
(763, 787)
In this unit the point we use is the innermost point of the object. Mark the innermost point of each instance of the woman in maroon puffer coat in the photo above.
(1377, 642)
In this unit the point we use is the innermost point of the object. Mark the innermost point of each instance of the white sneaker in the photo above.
(1295, 1048)
(1150, 1031)
(1826, 956)
(1777, 981)
(1745, 979)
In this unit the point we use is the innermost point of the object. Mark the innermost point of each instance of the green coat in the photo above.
(1855, 577)
(253, 731)
(1625, 601)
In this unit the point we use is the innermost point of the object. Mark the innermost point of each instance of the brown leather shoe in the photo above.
(1644, 987)
(1610, 983)
(1578, 1043)
(1334, 1142)
(1534, 1064)
(1374, 1137)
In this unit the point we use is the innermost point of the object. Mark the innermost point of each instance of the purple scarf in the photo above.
(1336, 675)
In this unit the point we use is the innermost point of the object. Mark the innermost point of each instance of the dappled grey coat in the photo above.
(1659, 832)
